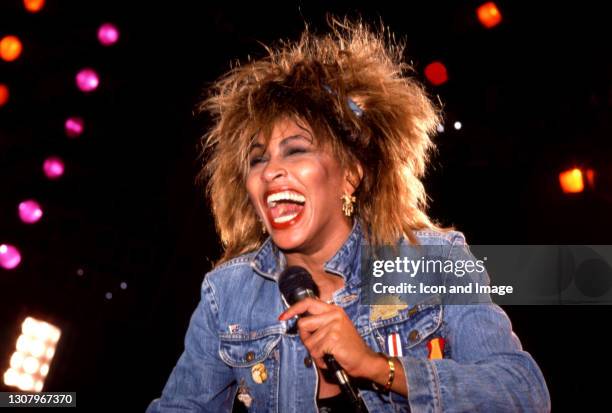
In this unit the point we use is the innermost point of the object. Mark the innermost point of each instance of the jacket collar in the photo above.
(269, 261)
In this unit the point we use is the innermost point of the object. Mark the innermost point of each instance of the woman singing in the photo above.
(316, 150)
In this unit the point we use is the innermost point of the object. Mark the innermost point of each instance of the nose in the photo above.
(273, 170)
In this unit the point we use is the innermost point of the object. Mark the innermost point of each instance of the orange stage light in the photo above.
(489, 15)
(33, 6)
(10, 48)
(571, 181)
(34, 351)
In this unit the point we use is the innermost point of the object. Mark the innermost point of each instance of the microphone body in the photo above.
(296, 284)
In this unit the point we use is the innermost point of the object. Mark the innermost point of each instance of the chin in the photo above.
(294, 234)
(288, 240)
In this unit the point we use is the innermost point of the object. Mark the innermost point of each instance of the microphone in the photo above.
(296, 284)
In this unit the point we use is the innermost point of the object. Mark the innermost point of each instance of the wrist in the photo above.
(376, 369)
(382, 383)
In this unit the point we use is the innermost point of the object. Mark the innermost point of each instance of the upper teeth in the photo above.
(285, 196)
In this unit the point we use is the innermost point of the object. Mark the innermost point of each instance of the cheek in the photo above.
(313, 175)
(322, 181)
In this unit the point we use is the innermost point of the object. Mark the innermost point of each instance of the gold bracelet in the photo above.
(391, 364)
(391, 374)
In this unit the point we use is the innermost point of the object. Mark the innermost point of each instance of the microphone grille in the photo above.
(296, 278)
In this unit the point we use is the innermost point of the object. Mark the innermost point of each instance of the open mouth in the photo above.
(284, 207)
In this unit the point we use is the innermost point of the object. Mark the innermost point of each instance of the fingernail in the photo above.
(280, 317)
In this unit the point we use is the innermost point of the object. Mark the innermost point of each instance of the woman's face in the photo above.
(296, 187)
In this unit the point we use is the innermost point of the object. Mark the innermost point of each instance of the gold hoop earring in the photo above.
(347, 204)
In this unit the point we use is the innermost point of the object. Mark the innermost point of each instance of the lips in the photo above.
(284, 207)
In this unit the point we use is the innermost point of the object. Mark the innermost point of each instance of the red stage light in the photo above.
(4, 94)
(436, 73)
(489, 15)
(590, 177)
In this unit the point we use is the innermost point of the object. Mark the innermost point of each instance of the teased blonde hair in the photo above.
(311, 80)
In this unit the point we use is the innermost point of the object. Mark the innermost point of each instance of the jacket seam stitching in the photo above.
(436, 382)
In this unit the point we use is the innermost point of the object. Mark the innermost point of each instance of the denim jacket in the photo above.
(235, 345)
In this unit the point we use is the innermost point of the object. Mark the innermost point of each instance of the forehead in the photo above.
(284, 128)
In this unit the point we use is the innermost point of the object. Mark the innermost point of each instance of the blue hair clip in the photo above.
(351, 103)
(355, 108)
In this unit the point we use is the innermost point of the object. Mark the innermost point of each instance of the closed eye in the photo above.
(255, 160)
(293, 151)
(290, 151)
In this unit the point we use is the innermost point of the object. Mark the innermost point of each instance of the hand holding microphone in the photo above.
(326, 331)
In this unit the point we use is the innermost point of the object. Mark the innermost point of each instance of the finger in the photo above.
(315, 339)
(310, 305)
(327, 344)
(312, 323)
(317, 348)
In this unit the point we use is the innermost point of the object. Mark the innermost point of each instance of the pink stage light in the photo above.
(53, 167)
(30, 211)
(74, 127)
(87, 80)
(9, 256)
(108, 34)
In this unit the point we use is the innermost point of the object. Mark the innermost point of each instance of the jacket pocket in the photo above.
(255, 359)
(408, 332)
(246, 349)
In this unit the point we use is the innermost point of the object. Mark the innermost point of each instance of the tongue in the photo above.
(285, 208)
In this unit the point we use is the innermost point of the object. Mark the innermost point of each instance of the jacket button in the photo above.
(308, 361)
(414, 335)
(250, 356)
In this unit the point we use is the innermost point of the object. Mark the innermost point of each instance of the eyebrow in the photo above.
(284, 142)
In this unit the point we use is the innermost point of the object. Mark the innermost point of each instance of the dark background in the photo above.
(533, 95)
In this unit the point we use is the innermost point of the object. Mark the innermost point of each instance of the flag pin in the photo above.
(394, 345)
